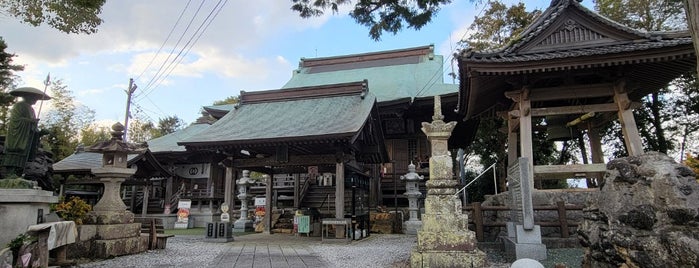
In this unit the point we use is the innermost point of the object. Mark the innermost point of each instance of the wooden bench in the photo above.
(153, 227)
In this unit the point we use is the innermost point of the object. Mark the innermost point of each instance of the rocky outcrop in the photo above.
(646, 215)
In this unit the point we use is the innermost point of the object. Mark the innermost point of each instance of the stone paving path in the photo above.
(258, 254)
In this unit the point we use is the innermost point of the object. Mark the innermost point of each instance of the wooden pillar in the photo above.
(228, 182)
(144, 206)
(297, 188)
(133, 198)
(525, 131)
(168, 191)
(268, 204)
(512, 141)
(340, 190)
(634, 146)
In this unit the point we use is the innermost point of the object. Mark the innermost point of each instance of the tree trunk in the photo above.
(655, 107)
(692, 11)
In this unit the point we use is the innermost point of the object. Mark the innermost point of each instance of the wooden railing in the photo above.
(563, 223)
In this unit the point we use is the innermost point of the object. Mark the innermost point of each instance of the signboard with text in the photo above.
(193, 171)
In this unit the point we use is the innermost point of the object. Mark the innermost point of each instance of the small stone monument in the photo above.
(412, 191)
(243, 224)
(444, 240)
(109, 230)
(523, 236)
(225, 217)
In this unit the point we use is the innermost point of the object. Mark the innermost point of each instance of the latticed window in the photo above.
(412, 150)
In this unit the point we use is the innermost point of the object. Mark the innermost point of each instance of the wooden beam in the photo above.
(512, 141)
(525, 134)
(579, 109)
(571, 92)
(634, 146)
(567, 171)
(294, 160)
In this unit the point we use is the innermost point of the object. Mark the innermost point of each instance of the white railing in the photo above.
(495, 182)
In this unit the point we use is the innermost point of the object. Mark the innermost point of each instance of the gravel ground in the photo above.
(376, 251)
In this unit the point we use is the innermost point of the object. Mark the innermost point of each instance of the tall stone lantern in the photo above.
(444, 240)
(243, 224)
(412, 191)
(110, 209)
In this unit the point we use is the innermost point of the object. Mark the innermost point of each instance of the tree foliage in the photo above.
(7, 78)
(168, 125)
(499, 25)
(228, 100)
(378, 15)
(64, 121)
(73, 16)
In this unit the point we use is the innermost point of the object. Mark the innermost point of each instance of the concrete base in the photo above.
(524, 243)
(412, 227)
(106, 241)
(26, 207)
(243, 226)
(433, 258)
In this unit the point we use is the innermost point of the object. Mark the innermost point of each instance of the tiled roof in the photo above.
(288, 118)
(392, 75)
(82, 161)
(168, 143)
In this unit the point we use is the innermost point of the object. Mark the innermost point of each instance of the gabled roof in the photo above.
(82, 162)
(168, 143)
(393, 74)
(321, 113)
(218, 111)
(570, 44)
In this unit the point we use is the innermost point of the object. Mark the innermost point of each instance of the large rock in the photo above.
(646, 215)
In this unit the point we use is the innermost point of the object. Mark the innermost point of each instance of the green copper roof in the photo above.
(168, 143)
(298, 119)
(413, 72)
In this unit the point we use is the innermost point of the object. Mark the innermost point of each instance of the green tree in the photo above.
(168, 125)
(378, 15)
(64, 121)
(71, 16)
(141, 130)
(7, 78)
(499, 25)
(92, 134)
(654, 116)
(228, 100)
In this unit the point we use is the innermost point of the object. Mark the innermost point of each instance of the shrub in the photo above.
(74, 209)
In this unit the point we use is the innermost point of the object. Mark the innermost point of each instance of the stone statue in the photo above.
(22, 138)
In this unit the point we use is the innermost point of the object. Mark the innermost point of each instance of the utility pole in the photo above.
(129, 92)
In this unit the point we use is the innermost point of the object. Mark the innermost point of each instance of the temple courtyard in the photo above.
(283, 250)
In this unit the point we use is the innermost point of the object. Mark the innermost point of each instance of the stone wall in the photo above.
(646, 215)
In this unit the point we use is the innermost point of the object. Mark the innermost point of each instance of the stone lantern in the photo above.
(243, 223)
(110, 209)
(412, 191)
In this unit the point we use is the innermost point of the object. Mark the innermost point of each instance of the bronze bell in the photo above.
(556, 129)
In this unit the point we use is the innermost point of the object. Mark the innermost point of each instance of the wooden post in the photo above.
(297, 181)
(168, 192)
(339, 196)
(634, 146)
(153, 234)
(144, 205)
(512, 141)
(525, 132)
(478, 221)
(228, 182)
(563, 219)
(268, 204)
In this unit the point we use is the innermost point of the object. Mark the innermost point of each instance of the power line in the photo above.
(430, 82)
(192, 40)
(164, 42)
(150, 82)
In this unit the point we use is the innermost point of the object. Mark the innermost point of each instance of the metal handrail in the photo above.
(304, 189)
(327, 197)
(477, 177)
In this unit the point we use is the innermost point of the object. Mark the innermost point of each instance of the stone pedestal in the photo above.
(444, 240)
(26, 206)
(412, 191)
(109, 230)
(243, 224)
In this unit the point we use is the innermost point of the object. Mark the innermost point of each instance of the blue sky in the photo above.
(244, 48)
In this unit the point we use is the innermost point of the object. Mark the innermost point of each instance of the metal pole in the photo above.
(47, 82)
(129, 92)
(495, 180)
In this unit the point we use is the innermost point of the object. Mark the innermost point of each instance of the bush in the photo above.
(74, 209)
